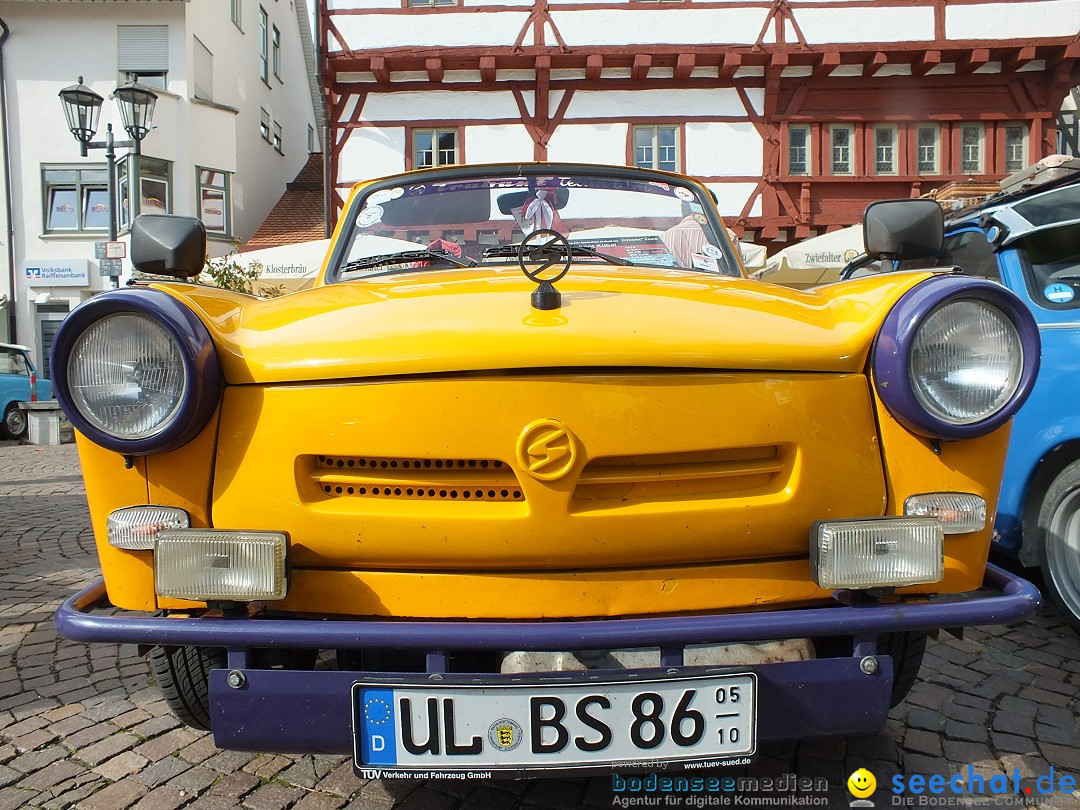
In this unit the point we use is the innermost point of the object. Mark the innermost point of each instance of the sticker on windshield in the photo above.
(385, 195)
(369, 216)
(1059, 293)
(696, 208)
(684, 193)
(701, 262)
(712, 251)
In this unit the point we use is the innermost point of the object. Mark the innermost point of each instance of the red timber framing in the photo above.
(944, 83)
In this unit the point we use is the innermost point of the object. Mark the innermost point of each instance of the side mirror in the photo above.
(167, 245)
(896, 230)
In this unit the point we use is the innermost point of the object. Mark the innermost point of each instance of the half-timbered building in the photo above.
(796, 113)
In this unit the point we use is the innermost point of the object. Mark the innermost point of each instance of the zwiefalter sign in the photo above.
(56, 272)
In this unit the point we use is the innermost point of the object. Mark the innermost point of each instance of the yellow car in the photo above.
(535, 480)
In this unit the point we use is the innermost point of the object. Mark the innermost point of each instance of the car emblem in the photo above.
(547, 248)
(547, 450)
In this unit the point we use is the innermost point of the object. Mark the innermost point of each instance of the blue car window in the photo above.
(970, 251)
(1052, 266)
(13, 362)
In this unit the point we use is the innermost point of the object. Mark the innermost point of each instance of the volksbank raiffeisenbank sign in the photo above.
(56, 272)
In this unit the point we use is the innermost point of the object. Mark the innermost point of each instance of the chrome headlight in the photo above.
(135, 371)
(956, 357)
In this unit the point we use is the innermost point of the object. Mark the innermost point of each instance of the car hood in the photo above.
(481, 319)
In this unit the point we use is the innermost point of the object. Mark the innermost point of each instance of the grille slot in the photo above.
(670, 476)
(415, 478)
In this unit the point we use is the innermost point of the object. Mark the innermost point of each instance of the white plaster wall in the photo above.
(498, 144)
(261, 173)
(440, 105)
(589, 143)
(432, 30)
(1010, 21)
(666, 103)
(51, 44)
(731, 197)
(47, 51)
(372, 152)
(866, 24)
(659, 26)
(717, 149)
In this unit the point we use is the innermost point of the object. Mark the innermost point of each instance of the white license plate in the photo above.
(518, 727)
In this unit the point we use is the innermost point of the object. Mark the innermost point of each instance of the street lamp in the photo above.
(82, 108)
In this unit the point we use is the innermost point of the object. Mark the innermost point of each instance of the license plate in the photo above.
(537, 726)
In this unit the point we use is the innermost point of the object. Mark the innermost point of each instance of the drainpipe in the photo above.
(9, 201)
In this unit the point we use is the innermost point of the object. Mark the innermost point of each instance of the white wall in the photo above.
(372, 152)
(51, 44)
(589, 143)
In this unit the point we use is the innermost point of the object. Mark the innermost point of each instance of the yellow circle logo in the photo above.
(547, 449)
(861, 783)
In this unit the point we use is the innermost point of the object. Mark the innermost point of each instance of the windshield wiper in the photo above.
(536, 254)
(403, 258)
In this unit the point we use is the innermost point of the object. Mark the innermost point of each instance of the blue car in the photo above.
(18, 383)
(1028, 238)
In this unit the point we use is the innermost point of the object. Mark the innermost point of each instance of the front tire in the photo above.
(1059, 541)
(906, 651)
(183, 676)
(15, 423)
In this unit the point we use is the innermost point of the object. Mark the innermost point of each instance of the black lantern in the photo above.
(82, 107)
(136, 103)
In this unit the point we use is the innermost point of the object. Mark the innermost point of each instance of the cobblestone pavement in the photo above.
(83, 726)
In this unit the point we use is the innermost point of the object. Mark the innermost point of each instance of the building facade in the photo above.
(796, 113)
(234, 122)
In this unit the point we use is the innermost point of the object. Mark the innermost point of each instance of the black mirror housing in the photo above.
(908, 229)
(168, 245)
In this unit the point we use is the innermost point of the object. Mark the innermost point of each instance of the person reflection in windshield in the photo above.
(685, 238)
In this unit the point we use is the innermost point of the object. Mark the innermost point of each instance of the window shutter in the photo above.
(142, 47)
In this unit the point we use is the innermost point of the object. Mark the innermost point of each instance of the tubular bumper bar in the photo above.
(1015, 600)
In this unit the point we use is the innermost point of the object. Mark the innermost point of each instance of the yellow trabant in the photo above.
(534, 480)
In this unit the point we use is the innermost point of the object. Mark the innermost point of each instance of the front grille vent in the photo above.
(617, 480)
(415, 478)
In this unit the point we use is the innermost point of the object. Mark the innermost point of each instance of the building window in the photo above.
(143, 54)
(884, 150)
(76, 198)
(842, 138)
(264, 125)
(310, 139)
(277, 136)
(434, 147)
(153, 180)
(798, 149)
(214, 202)
(927, 137)
(276, 51)
(657, 148)
(204, 71)
(1015, 147)
(234, 12)
(422, 3)
(971, 148)
(264, 44)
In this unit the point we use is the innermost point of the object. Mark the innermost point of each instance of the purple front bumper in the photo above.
(306, 711)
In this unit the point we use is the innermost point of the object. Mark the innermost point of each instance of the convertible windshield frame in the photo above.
(729, 266)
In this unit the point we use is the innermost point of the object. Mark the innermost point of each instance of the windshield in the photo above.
(472, 220)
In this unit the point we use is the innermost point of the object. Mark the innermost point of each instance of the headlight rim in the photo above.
(892, 353)
(202, 370)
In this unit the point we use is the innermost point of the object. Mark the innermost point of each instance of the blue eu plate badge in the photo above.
(378, 738)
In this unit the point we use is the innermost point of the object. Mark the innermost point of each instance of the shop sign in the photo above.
(56, 272)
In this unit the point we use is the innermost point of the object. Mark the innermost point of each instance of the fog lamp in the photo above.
(137, 527)
(959, 512)
(879, 552)
(211, 565)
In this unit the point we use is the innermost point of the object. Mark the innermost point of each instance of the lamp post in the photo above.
(82, 108)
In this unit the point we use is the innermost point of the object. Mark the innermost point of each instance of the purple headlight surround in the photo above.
(892, 353)
(202, 371)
